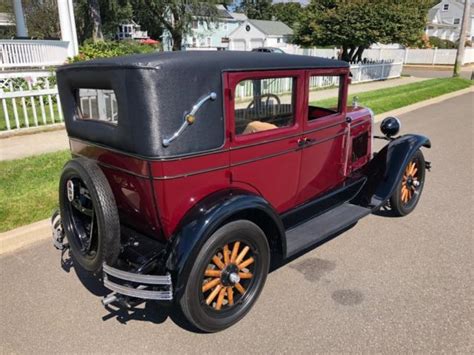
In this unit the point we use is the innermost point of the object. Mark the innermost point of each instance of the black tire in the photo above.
(99, 230)
(402, 204)
(207, 317)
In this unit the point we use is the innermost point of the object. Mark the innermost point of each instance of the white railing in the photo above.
(32, 53)
(28, 100)
(406, 55)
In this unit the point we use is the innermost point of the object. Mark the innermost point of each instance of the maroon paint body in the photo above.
(154, 195)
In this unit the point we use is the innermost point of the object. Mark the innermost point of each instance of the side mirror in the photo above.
(390, 126)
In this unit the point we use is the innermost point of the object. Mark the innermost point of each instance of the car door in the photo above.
(264, 124)
(325, 128)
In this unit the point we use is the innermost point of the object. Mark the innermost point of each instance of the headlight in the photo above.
(390, 126)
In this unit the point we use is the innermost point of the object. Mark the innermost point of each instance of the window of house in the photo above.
(97, 105)
(264, 104)
(323, 103)
(457, 21)
(194, 41)
(195, 24)
(445, 7)
(208, 41)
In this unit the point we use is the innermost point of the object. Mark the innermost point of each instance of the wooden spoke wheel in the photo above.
(227, 276)
(408, 192)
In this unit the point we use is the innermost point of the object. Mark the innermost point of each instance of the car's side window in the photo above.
(264, 104)
(324, 96)
(97, 105)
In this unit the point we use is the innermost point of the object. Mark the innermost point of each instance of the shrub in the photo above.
(442, 43)
(107, 49)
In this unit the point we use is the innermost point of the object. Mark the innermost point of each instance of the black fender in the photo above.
(385, 170)
(203, 220)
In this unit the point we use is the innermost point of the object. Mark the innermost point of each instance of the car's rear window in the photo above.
(97, 105)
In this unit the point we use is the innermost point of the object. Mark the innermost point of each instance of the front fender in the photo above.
(386, 169)
(203, 220)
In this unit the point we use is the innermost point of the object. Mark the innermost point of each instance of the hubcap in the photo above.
(229, 270)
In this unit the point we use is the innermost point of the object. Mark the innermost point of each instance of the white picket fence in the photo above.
(405, 55)
(28, 100)
(360, 73)
(32, 53)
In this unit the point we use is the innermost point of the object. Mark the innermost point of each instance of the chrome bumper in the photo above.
(148, 287)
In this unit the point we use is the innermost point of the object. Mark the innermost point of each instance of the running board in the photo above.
(323, 226)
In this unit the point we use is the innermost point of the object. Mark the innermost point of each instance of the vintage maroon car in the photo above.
(191, 172)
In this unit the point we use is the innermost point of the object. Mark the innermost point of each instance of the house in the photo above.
(444, 20)
(260, 33)
(131, 30)
(209, 34)
(6, 20)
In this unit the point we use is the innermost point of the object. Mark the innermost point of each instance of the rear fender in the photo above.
(202, 221)
(385, 170)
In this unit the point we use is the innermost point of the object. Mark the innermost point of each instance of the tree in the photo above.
(94, 11)
(287, 12)
(176, 16)
(256, 9)
(355, 25)
(42, 18)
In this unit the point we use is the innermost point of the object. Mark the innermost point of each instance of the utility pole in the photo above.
(462, 38)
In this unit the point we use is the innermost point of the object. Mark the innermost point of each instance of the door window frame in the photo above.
(232, 79)
(343, 73)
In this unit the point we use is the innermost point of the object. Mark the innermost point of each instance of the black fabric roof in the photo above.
(220, 60)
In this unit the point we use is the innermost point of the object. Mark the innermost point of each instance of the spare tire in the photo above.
(89, 214)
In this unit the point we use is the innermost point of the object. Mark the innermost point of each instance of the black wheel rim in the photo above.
(229, 279)
(83, 219)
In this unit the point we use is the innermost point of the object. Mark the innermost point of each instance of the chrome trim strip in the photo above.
(165, 177)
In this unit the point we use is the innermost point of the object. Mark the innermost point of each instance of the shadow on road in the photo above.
(158, 312)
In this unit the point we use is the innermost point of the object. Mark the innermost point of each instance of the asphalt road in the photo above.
(391, 285)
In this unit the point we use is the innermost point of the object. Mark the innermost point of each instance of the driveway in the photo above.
(392, 285)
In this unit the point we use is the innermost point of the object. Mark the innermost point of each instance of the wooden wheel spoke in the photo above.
(213, 294)
(242, 255)
(240, 288)
(226, 254)
(230, 295)
(235, 251)
(218, 262)
(220, 299)
(211, 284)
(212, 273)
(245, 275)
(414, 171)
(246, 263)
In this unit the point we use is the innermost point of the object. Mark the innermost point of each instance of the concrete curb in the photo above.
(421, 104)
(24, 236)
(32, 130)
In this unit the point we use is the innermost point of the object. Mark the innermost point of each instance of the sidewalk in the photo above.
(22, 146)
(33, 144)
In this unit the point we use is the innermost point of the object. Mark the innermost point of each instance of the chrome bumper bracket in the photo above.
(149, 287)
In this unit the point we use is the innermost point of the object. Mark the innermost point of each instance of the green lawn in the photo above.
(384, 100)
(28, 188)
